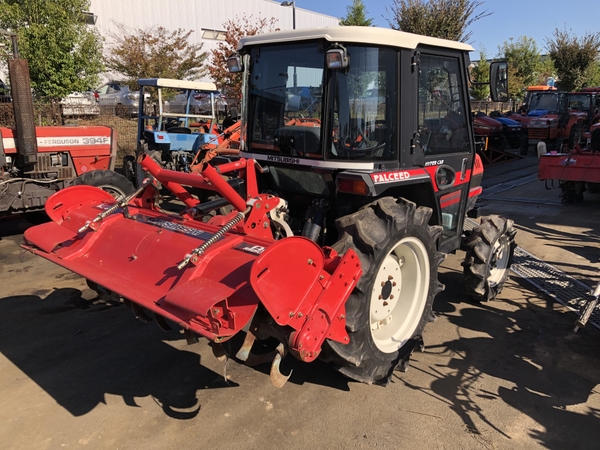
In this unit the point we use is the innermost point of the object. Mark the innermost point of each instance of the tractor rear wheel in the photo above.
(129, 168)
(112, 182)
(391, 304)
(490, 249)
(156, 155)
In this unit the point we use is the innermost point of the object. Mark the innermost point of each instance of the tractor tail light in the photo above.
(358, 187)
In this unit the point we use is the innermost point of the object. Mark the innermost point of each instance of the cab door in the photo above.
(445, 137)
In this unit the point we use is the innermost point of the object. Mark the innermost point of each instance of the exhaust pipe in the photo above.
(25, 139)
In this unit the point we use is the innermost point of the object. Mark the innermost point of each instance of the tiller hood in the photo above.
(210, 278)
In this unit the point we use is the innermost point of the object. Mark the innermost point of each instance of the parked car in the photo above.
(119, 96)
(4, 93)
(199, 103)
(80, 104)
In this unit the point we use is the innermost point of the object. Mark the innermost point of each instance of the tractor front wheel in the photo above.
(112, 182)
(490, 249)
(391, 304)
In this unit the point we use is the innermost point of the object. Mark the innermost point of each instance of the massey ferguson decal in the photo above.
(62, 141)
(72, 140)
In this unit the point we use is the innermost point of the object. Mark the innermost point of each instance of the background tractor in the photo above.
(551, 120)
(178, 121)
(339, 213)
(36, 162)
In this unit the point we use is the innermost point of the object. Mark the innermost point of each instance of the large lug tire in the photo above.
(112, 182)
(391, 304)
(490, 250)
(129, 163)
(572, 191)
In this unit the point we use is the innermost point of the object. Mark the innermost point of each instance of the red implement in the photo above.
(209, 278)
(584, 166)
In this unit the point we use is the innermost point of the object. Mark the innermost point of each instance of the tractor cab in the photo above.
(387, 114)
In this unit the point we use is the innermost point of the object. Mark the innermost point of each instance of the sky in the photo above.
(536, 19)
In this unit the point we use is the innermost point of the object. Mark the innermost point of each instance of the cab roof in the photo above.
(358, 35)
(177, 84)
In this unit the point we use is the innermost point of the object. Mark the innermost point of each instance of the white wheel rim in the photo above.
(113, 190)
(399, 294)
(498, 261)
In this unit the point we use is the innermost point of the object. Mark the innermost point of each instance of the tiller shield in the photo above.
(210, 278)
(576, 166)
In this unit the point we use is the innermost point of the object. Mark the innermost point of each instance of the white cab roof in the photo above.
(177, 84)
(358, 35)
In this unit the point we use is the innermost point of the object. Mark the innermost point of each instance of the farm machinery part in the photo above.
(324, 238)
(234, 272)
(575, 172)
(588, 308)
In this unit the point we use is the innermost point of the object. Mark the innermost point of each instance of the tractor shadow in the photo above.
(79, 351)
(530, 345)
(13, 226)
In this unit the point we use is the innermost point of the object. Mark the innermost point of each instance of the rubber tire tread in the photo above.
(476, 265)
(370, 232)
(105, 177)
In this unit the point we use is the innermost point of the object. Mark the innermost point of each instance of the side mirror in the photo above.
(499, 81)
(235, 64)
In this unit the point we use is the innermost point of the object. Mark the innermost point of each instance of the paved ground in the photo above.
(76, 372)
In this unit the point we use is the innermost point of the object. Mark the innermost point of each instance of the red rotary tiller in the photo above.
(213, 279)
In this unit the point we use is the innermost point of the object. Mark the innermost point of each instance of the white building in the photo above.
(205, 17)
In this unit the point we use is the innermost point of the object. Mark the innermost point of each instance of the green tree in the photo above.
(234, 31)
(356, 14)
(64, 53)
(480, 73)
(545, 71)
(573, 57)
(155, 52)
(593, 75)
(525, 63)
(447, 19)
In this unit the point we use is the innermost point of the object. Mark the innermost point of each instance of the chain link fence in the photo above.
(488, 107)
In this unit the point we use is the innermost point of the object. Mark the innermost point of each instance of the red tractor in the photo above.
(338, 215)
(36, 162)
(552, 121)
